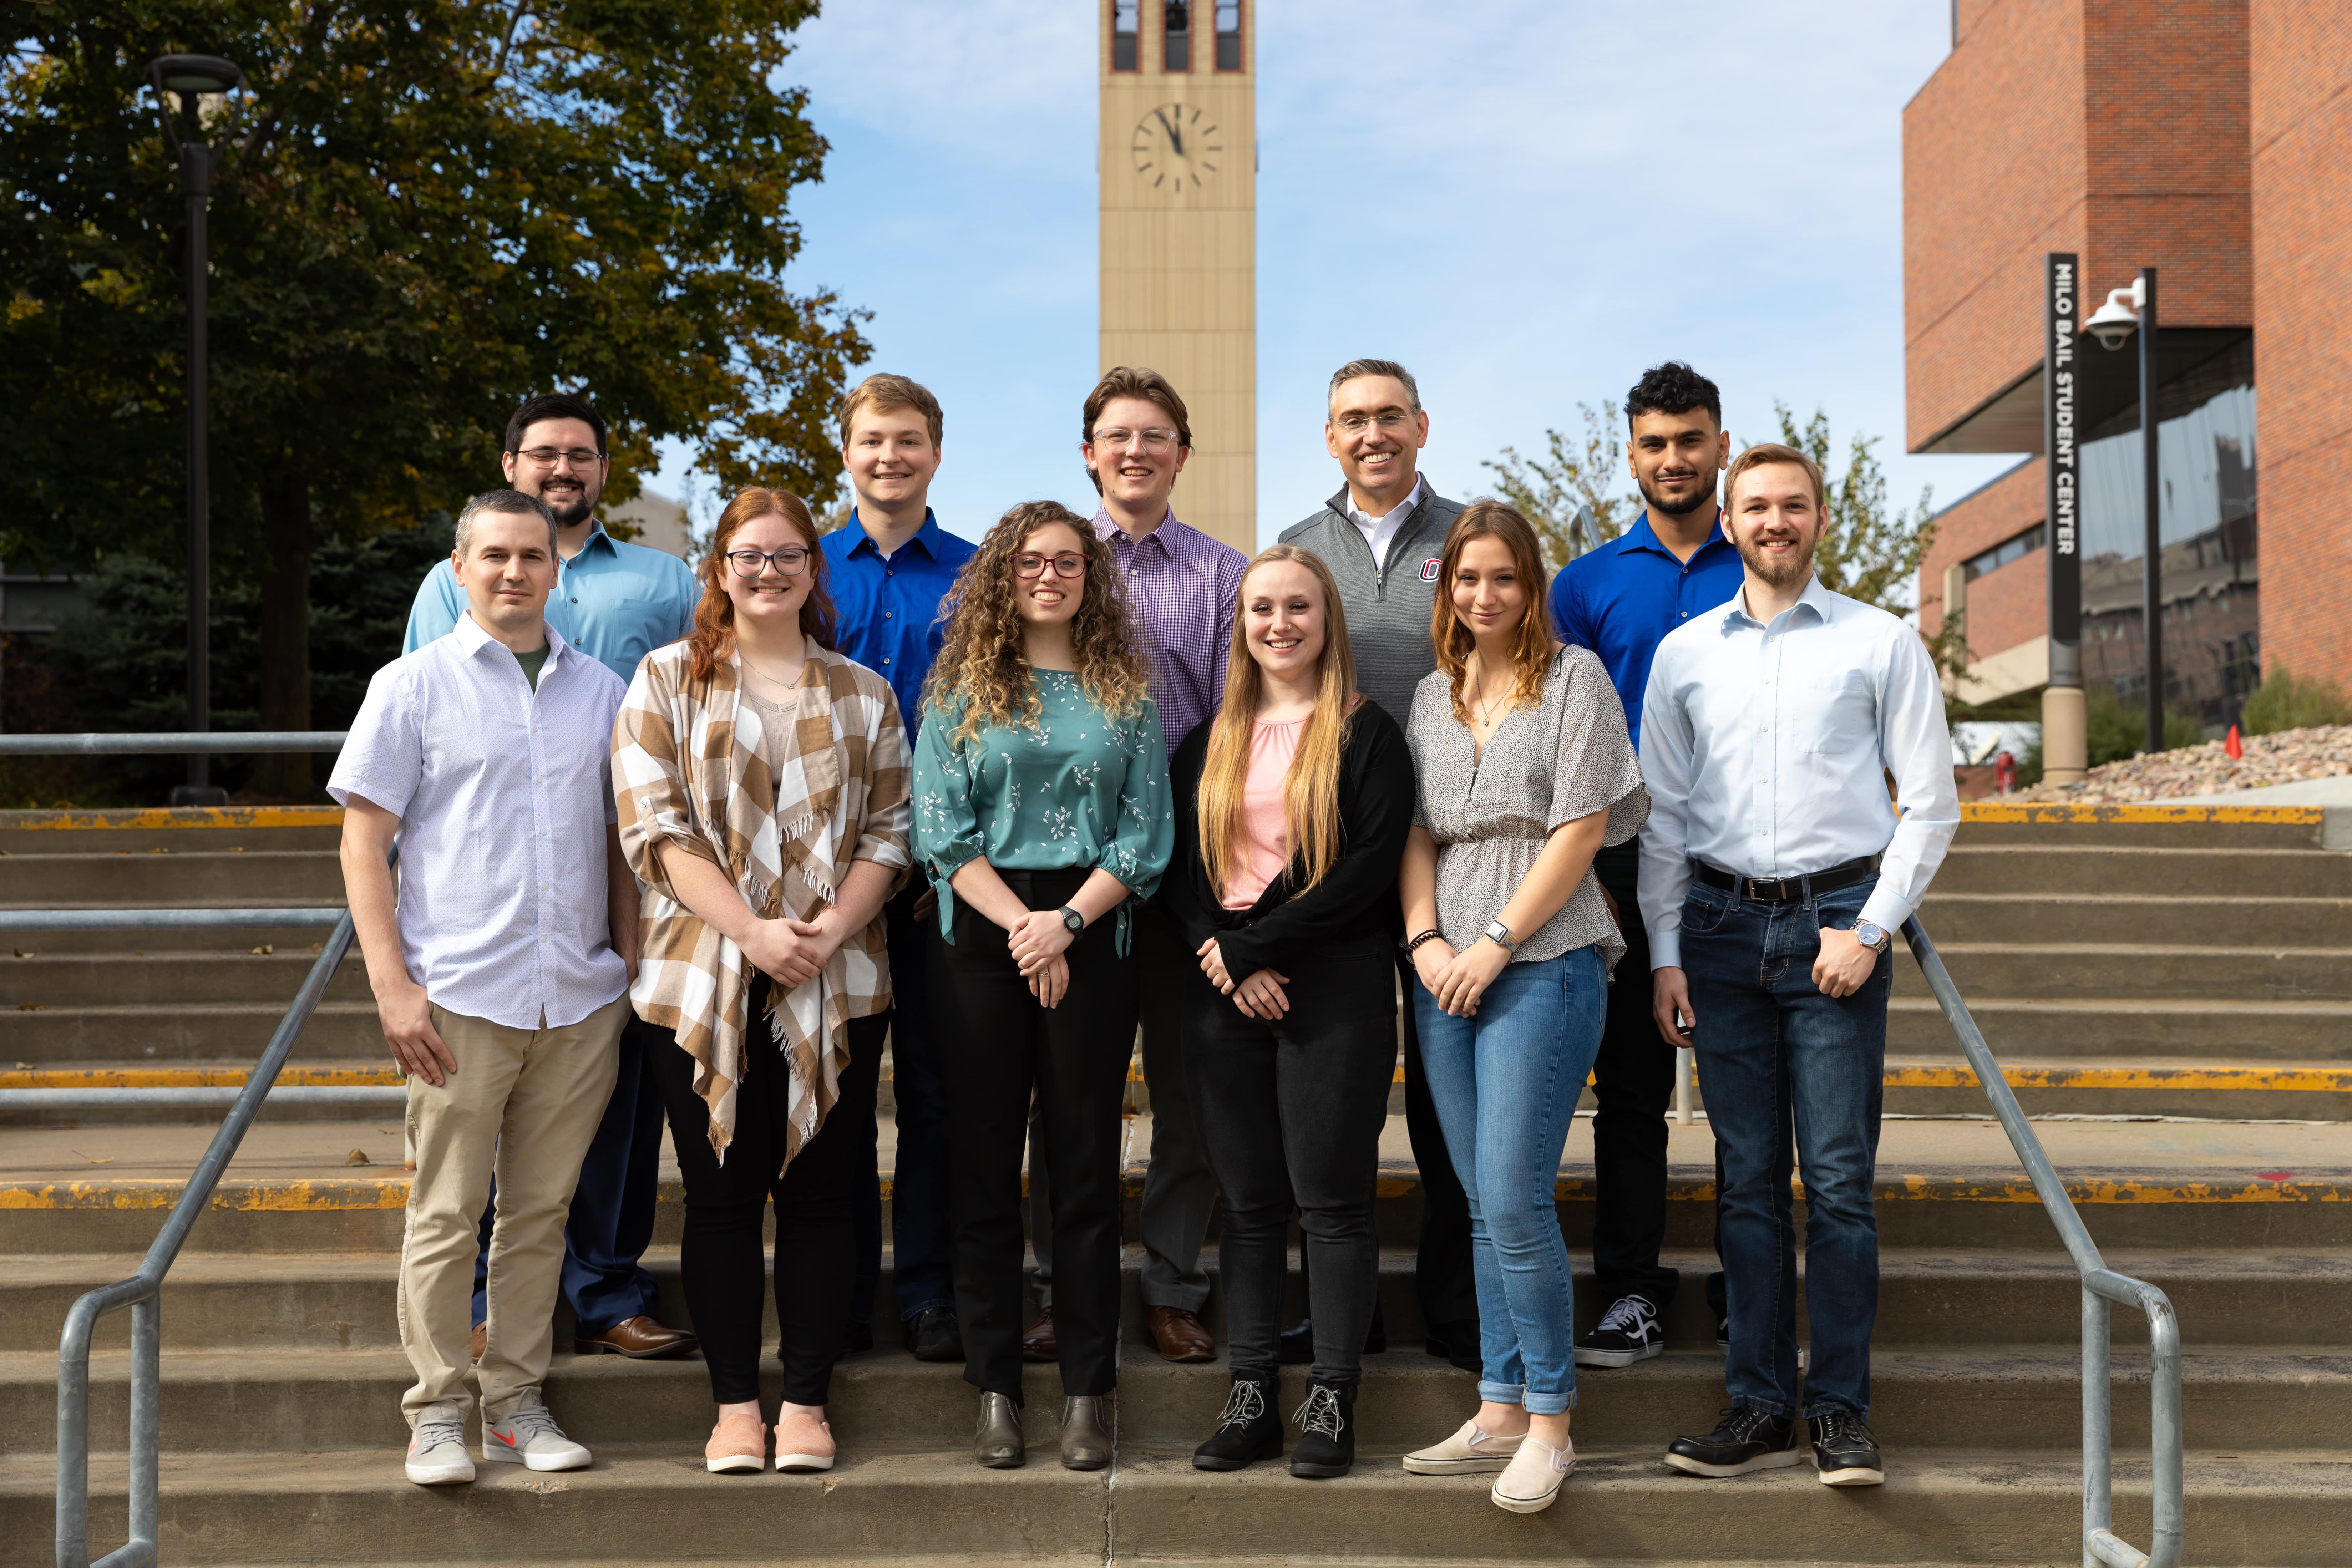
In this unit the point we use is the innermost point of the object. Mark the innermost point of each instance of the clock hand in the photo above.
(1175, 137)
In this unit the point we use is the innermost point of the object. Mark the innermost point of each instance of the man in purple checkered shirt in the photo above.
(1183, 585)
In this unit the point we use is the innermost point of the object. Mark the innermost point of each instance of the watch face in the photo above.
(1176, 149)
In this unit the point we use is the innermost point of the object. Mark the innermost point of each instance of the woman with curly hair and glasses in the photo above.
(762, 784)
(1041, 808)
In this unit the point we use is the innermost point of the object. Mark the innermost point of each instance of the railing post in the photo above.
(2098, 1487)
(2168, 1438)
(73, 1434)
(146, 1436)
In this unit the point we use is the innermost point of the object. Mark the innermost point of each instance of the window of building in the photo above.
(1177, 33)
(1229, 34)
(2012, 549)
(1123, 35)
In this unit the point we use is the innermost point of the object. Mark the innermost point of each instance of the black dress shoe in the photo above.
(1326, 1432)
(1745, 1439)
(933, 1335)
(1456, 1342)
(1844, 1452)
(1248, 1429)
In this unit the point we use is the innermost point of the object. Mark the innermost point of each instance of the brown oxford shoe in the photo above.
(1180, 1336)
(639, 1338)
(1039, 1343)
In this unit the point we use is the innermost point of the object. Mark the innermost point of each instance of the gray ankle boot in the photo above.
(998, 1443)
(1085, 1432)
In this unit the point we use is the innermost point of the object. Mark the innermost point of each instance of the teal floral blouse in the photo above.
(1078, 788)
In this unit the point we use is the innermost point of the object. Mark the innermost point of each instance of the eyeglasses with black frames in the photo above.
(1030, 563)
(790, 561)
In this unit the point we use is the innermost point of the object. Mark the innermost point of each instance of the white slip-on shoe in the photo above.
(1472, 1451)
(528, 1436)
(1533, 1479)
(436, 1451)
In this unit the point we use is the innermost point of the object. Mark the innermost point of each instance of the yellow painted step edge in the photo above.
(150, 818)
(1997, 810)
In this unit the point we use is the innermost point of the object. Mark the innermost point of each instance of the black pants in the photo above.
(1442, 1278)
(1291, 1114)
(1633, 1082)
(997, 1044)
(722, 1258)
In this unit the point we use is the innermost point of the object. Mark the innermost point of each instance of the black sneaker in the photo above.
(1628, 1332)
(1745, 1439)
(933, 1335)
(1326, 1432)
(1844, 1452)
(1248, 1430)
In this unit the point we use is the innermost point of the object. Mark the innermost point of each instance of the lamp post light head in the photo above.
(190, 78)
(2114, 322)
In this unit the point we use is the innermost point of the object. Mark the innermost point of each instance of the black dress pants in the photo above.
(1291, 1114)
(1633, 1082)
(722, 1258)
(997, 1044)
(1442, 1278)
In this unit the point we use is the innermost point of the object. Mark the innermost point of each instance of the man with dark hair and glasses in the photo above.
(616, 601)
(1618, 599)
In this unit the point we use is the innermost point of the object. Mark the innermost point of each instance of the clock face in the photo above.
(1177, 148)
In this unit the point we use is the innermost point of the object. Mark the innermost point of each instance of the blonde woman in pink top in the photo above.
(1292, 809)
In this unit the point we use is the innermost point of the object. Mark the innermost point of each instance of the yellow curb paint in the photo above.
(195, 1078)
(151, 818)
(2280, 1080)
(2053, 812)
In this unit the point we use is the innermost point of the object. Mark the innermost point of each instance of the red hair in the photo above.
(713, 637)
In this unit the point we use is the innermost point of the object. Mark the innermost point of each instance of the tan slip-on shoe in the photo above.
(1533, 1478)
(1471, 1451)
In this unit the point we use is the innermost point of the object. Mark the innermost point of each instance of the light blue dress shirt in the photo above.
(615, 602)
(1766, 749)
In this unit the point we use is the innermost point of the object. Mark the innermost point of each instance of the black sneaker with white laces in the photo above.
(1844, 1452)
(1745, 1439)
(1628, 1332)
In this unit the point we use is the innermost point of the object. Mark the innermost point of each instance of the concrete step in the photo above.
(1983, 1296)
(2047, 1028)
(176, 828)
(639, 1502)
(2097, 869)
(236, 973)
(162, 877)
(2142, 971)
(1984, 823)
(37, 1033)
(2300, 1092)
(2134, 918)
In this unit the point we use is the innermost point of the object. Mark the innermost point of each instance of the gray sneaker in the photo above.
(437, 1450)
(528, 1436)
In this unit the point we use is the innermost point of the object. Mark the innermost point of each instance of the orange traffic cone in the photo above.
(2231, 747)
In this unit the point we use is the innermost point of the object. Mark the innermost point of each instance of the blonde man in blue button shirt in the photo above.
(1775, 872)
(616, 601)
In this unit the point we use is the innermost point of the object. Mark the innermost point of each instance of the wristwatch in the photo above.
(1500, 935)
(1870, 934)
(1073, 921)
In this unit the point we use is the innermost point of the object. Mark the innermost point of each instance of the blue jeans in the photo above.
(1777, 1058)
(1506, 1082)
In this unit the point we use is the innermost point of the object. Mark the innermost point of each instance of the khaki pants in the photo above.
(527, 1101)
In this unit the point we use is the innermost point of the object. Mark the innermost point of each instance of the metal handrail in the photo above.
(2101, 1285)
(169, 743)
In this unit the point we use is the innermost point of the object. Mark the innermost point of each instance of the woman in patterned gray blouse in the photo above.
(1523, 771)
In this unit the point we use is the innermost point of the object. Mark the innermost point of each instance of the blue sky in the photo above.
(1527, 202)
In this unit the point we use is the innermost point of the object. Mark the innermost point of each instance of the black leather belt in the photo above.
(1786, 889)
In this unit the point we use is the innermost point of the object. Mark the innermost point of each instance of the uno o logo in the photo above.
(1428, 570)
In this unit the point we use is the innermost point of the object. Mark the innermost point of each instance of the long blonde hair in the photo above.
(1531, 647)
(1310, 791)
(983, 661)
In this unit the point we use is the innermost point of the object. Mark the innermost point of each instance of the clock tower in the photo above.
(1178, 160)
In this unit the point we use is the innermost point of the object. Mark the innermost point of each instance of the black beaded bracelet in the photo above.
(1429, 935)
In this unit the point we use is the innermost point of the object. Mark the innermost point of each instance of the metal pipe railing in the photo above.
(2101, 1285)
(170, 742)
(163, 920)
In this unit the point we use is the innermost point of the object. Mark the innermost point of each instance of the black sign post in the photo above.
(2064, 719)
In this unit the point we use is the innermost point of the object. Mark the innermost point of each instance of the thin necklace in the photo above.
(745, 659)
(1480, 704)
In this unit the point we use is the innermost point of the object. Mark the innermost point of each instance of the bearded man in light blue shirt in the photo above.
(1774, 873)
(616, 601)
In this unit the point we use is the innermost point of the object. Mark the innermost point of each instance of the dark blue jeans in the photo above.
(1778, 1059)
(922, 1248)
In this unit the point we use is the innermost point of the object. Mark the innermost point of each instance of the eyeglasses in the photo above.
(1029, 564)
(1153, 440)
(789, 562)
(548, 456)
(1390, 420)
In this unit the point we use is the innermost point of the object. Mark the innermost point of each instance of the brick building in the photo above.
(2211, 140)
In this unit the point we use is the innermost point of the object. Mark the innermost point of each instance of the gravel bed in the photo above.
(2324, 751)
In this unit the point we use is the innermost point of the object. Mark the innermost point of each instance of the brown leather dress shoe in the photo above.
(1039, 1343)
(639, 1338)
(1179, 1335)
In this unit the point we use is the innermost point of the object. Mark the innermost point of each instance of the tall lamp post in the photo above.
(2128, 310)
(188, 78)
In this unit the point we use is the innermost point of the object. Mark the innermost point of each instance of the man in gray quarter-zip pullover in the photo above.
(1382, 536)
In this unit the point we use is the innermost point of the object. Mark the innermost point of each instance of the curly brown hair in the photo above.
(983, 662)
(712, 639)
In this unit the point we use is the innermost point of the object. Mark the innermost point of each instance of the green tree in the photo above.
(422, 214)
(1571, 494)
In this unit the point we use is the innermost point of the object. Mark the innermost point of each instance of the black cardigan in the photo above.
(1353, 909)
